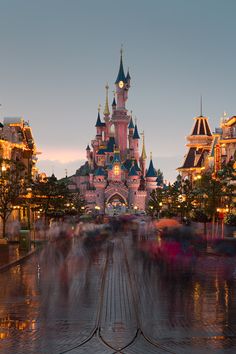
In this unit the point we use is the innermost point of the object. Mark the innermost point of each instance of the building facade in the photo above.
(17, 144)
(114, 175)
(209, 150)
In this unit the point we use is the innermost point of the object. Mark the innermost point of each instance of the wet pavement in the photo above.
(69, 300)
(11, 253)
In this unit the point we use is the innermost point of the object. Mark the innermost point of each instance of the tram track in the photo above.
(140, 332)
(97, 334)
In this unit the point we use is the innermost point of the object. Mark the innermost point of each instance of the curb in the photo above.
(21, 260)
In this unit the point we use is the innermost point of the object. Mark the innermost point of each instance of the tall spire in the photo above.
(98, 123)
(201, 106)
(106, 111)
(121, 74)
(143, 154)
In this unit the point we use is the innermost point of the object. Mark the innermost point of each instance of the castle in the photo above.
(115, 175)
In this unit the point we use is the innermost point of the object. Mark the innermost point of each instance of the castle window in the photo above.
(116, 170)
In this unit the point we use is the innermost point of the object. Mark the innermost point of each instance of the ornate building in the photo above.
(208, 150)
(114, 174)
(199, 145)
(17, 144)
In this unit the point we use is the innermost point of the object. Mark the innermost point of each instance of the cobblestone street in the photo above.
(67, 301)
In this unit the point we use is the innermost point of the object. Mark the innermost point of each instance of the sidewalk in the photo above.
(12, 254)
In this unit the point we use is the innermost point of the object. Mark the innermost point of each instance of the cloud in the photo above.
(61, 155)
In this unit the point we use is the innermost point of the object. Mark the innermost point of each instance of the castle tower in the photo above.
(136, 138)
(100, 185)
(133, 183)
(120, 117)
(131, 133)
(99, 126)
(151, 178)
(106, 113)
(143, 157)
(88, 150)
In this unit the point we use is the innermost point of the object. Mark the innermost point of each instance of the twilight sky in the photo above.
(57, 55)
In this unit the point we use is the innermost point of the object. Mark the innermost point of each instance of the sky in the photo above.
(57, 56)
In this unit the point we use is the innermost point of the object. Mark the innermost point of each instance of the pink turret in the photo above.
(100, 185)
(136, 143)
(133, 183)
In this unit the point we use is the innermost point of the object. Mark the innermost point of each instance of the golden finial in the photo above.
(150, 155)
(99, 107)
(106, 111)
(143, 154)
(114, 93)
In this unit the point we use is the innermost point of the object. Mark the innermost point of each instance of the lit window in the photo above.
(116, 170)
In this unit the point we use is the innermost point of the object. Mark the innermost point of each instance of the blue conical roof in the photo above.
(136, 134)
(121, 74)
(151, 172)
(88, 147)
(98, 123)
(114, 102)
(133, 171)
(128, 76)
(131, 124)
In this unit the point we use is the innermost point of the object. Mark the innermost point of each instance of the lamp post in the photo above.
(221, 214)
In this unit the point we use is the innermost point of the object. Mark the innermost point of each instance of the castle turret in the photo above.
(151, 178)
(131, 133)
(100, 185)
(99, 126)
(121, 85)
(119, 116)
(88, 153)
(128, 78)
(136, 143)
(133, 183)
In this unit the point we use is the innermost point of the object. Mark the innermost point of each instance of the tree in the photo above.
(11, 185)
(160, 178)
(75, 204)
(50, 196)
(155, 202)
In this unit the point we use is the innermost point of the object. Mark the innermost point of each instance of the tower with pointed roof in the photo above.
(143, 157)
(199, 145)
(114, 174)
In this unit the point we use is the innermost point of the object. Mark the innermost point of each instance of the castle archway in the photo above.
(116, 204)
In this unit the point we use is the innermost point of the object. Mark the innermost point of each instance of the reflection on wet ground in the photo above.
(79, 298)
